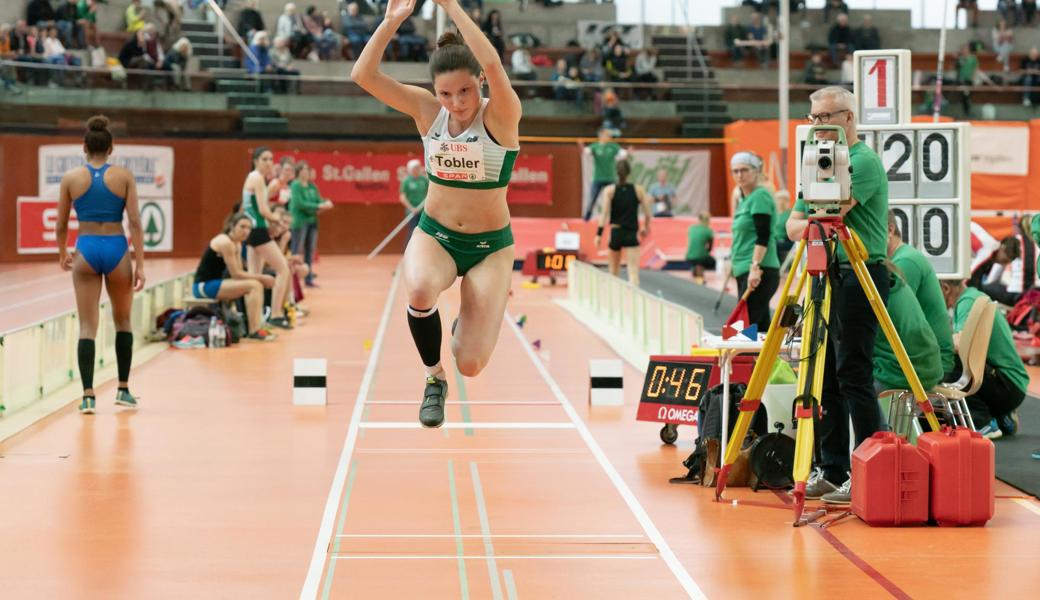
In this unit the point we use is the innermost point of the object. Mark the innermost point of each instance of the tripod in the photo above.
(821, 237)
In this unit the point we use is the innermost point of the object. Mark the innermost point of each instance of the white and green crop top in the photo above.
(472, 159)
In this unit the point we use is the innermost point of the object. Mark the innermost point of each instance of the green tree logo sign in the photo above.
(154, 225)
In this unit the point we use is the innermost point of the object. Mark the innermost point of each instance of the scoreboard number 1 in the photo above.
(879, 78)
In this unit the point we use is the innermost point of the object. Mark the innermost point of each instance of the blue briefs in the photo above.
(102, 252)
(206, 289)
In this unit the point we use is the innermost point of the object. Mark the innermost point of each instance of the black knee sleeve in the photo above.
(425, 326)
(124, 353)
(85, 353)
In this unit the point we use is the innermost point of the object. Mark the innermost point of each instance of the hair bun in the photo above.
(97, 123)
(449, 38)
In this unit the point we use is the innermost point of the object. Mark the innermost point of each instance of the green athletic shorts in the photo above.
(467, 249)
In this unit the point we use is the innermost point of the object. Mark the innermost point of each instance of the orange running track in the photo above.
(219, 488)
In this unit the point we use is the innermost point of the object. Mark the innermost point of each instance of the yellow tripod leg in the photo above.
(811, 390)
(763, 368)
(856, 251)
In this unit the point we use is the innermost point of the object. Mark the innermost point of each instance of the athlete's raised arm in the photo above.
(504, 108)
(413, 101)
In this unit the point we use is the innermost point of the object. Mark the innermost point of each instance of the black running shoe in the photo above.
(280, 322)
(431, 414)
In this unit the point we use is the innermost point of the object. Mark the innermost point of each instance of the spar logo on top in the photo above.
(152, 167)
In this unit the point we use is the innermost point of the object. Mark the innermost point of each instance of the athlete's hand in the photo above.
(644, 233)
(65, 261)
(399, 10)
(139, 278)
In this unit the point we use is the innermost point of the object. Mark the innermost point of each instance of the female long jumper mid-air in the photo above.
(470, 146)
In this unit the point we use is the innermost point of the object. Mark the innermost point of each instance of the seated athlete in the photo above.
(220, 275)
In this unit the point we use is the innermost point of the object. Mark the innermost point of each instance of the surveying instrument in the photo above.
(825, 189)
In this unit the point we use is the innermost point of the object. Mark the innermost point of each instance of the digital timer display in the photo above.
(670, 382)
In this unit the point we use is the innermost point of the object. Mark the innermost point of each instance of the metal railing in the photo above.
(40, 358)
(641, 320)
(226, 24)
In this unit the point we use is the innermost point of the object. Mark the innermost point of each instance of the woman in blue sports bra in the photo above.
(100, 192)
(470, 144)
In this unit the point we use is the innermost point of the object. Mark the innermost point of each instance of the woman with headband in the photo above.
(753, 257)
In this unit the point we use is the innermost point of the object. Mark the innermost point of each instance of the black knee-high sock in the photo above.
(425, 325)
(124, 354)
(85, 352)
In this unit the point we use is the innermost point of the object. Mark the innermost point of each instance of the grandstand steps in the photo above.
(240, 99)
(265, 126)
(250, 112)
(192, 26)
(206, 46)
(244, 86)
(699, 103)
(255, 110)
(218, 62)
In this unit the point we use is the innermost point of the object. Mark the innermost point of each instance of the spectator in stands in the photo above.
(152, 47)
(662, 195)
(1004, 382)
(1009, 11)
(8, 75)
(613, 40)
(282, 63)
(1028, 11)
(39, 12)
(699, 241)
(971, 10)
(412, 45)
(135, 16)
(967, 66)
(65, 20)
(523, 69)
(566, 81)
(132, 55)
(326, 40)
(613, 119)
(1003, 39)
(354, 28)
(591, 66)
(220, 275)
(250, 20)
(262, 64)
(840, 39)
(815, 70)
(305, 205)
(54, 53)
(605, 152)
(735, 32)
(412, 193)
(867, 36)
(646, 70)
(917, 272)
(759, 37)
(495, 33)
(86, 16)
(833, 7)
(176, 63)
(1030, 69)
(618, 66)
(291, 26)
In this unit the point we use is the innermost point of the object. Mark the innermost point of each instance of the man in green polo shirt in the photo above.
(605, 153)
(1004, 380)
(413, 193)
(699, 240)
(848, 381)
(919, 275)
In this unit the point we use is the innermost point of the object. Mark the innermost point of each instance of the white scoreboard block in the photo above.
(904, 214)
(937, 149)
(882, 79)
(898, 158)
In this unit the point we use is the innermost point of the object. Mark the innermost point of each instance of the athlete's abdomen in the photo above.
(467, 210)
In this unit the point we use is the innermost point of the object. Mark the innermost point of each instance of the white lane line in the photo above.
(637, 509)
(507, 575)
(468, 403)
(1028, 505)
(485, 528)
(33, 300)
(325, 530)
(501, 556)
(505, 425)
(567, 536)
(32, 282)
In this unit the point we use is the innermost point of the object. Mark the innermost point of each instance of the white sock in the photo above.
(436, 371)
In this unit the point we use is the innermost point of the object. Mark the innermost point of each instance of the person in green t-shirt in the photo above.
(413, 193)
(848, 380)
(753, 259)
(699, 241)
(605, 154)
(918, 274)
(783, 207)
(917, 337)
(967, 65)
(304, 205)
(1004, 380)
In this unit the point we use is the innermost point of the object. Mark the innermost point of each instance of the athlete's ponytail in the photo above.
(98, 139)
(453, 55)
(623, 171)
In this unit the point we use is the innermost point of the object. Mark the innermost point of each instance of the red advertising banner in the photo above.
(363, 178)
(37, 220)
